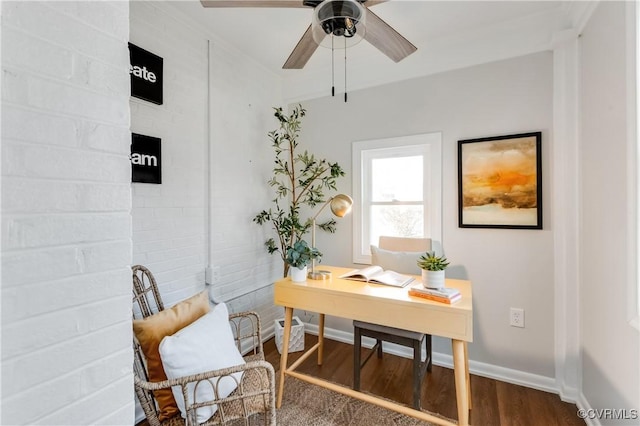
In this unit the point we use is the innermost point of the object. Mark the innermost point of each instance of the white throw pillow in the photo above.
(206, 344)
(405, 262)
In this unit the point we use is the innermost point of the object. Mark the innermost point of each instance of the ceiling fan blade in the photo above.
(384, 38)
(252, 3)
(302, 52)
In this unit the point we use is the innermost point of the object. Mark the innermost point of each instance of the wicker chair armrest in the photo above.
(167, 384)
(241, 409)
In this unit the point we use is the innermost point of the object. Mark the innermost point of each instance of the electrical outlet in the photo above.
(212, 275)
(516, 317)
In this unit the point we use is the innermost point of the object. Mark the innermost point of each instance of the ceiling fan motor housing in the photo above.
(314, 3)
(339, 18)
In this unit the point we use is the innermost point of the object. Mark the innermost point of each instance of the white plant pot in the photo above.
(298, 275)
(433, 279)
(296, 337)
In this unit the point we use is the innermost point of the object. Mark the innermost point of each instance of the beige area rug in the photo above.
(305, 404)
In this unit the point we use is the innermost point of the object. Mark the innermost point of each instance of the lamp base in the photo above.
(319, 275)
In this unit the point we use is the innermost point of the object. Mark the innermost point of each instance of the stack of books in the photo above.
(446, 295)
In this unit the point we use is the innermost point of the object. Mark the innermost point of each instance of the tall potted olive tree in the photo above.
(299, 179)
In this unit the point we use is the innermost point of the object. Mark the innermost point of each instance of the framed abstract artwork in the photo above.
(500, 182)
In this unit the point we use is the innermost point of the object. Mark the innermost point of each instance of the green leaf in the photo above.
(299, 179)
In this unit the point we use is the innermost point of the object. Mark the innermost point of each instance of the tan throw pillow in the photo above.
(151, 330)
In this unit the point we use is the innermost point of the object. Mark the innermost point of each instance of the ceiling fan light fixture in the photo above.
(338, 18)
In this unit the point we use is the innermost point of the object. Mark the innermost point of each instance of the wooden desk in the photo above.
(383, 305)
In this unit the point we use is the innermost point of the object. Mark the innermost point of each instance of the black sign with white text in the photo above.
(146, 159)
(146, 74)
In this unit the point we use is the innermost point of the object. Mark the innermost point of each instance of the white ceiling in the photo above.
(448, 34)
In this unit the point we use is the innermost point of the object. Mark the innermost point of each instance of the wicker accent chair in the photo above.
(253, 401)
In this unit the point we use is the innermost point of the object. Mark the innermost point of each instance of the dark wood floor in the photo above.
(494, 402)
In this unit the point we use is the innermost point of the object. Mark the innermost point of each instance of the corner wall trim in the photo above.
(565, 197)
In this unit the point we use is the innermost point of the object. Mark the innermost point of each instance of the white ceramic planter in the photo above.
(298, 275)
(433, 279)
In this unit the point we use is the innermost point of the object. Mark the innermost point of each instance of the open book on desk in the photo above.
(375, 274)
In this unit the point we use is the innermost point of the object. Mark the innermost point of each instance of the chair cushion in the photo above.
(206, 344)
(389, 330)
(405, 262)
(151, 330)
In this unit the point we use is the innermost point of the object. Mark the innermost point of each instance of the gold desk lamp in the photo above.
(340, 207)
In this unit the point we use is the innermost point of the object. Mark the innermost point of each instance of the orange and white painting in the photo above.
(500, 182)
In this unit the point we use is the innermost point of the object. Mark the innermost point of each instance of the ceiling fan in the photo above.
(340, 18)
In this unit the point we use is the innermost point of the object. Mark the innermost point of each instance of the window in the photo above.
(397, 190)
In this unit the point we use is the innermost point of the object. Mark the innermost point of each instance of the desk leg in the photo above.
(462, 385)
(466, 369)
(288, 316)
(320, 338)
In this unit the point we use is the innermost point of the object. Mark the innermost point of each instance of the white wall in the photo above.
(242, 99)
(221, 184)
(169, 219)
(508, 268)
(610, 345)
(66, 242)
(215, 182)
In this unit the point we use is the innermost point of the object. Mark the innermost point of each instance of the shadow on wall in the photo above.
(457, 272)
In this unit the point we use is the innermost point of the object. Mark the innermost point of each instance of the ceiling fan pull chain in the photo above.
(333, 79)
(345, 69)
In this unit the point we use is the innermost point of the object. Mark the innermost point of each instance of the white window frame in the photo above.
(430, 146)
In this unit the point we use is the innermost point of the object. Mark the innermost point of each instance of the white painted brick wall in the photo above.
(170, 220)
(242, 104)
(66, 225)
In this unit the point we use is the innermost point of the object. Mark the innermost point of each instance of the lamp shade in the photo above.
(339, 18)
(341, 205)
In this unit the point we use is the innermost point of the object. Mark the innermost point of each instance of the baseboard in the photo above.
(568, 394)
(516, 377)
(495, 372)
(584, 406)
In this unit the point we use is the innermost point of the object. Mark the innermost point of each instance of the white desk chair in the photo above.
(396, 254)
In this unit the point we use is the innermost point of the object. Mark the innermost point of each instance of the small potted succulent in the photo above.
(298, 257)
(432, 269)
